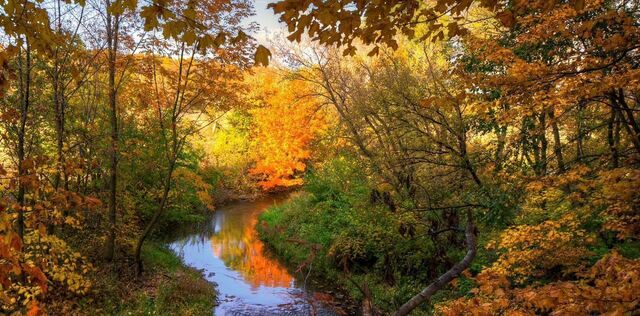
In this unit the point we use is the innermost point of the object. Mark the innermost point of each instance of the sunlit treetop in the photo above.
(375, 23)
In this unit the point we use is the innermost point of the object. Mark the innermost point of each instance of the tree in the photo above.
(546, 65)
(413, 129)
(190, 95)
(286, 122)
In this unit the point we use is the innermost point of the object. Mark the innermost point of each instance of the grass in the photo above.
(160, 257)
(173, 288)
(167, 287)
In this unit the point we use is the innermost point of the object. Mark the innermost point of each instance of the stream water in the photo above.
(249, 280)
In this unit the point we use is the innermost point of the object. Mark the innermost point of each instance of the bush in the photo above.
(355, 237)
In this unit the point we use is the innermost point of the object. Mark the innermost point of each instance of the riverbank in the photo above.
(346, 242)
(168, 287)
(297, 240)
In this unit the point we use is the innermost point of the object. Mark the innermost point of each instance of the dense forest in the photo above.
(445, 157)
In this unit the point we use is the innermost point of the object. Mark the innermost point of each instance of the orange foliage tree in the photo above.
(287, 121)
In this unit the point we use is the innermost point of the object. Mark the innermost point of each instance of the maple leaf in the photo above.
(262, 56)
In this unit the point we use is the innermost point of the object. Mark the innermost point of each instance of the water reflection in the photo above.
(250, 282)
(236, 243)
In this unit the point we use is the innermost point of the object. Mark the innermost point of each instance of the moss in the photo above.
(630, 249)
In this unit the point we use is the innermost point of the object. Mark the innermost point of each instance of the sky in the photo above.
(269, 24)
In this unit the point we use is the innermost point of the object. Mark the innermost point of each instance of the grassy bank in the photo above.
(350, 249)
(168, 287)
(356, 244)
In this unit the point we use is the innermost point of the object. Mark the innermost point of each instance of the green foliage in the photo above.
(225, 155)
(160, 257)
(144, 171)
(355, 237)
(340, 180)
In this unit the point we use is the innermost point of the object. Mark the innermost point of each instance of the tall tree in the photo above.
(190, 94)
(112, 28)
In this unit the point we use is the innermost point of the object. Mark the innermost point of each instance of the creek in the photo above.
(249, 279)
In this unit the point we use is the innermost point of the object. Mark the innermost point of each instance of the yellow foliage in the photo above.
(203, 189)
(621, 197)
(530, 250)
(50, 266)
(610, 286)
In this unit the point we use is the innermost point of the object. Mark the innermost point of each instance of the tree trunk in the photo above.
(557, 145)
(632, 125)
(580, 136)
(58, 104)
(467, 162)
(501, 133)
(59, 110)
(112, 39)
(367, 305)
(154, 219)
(613, 129)
(444, 279)
(25, 80)
(543, 144)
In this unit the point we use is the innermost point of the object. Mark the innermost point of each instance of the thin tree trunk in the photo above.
(58, 106)
(112, 39)
(499, 154)
(557, 145)
(543, 144)
(59, 136)
(467, 162)
(444, 279)
(60, 163)
(154, 219)
(612, 126)
(537, 161)
(632, 125)
(25, 79)
(59, 110)
(580, 136)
